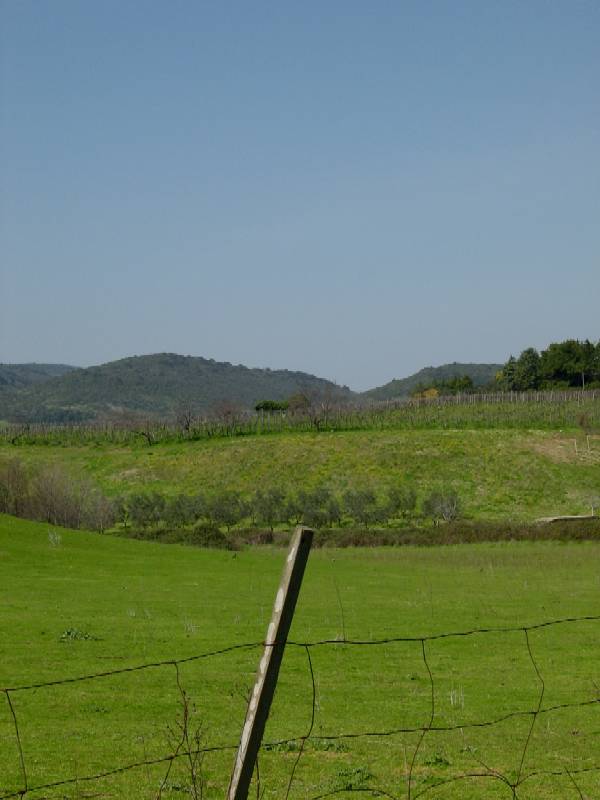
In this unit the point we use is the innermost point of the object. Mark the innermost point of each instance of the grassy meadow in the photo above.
(515, 474)
(75, 603)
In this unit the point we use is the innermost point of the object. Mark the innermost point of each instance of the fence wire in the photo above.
(186, 747)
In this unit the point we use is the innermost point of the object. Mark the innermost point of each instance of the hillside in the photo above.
(498, 473)
(19, 376)
(155, 384)
(480, 374)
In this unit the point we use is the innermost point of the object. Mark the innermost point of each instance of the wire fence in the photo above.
(419, 776)
(553, 408)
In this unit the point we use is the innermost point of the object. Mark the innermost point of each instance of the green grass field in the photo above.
(139, 602)
(498, 474)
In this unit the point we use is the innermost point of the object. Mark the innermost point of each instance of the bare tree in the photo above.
(14, 487)
(442, 504)
(184, 416)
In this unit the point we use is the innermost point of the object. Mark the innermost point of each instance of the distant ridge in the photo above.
(18, 376)
(480, 374)
(156, 385)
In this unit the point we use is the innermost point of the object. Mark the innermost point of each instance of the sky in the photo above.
(352, 189)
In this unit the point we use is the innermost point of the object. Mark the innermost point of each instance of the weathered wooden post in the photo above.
(268, 669)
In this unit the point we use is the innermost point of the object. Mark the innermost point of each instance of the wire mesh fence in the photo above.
(394, 717)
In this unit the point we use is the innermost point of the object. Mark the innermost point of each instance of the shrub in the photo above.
(314, 507)
(183, 510)
(59, 499)
(204, 535)
(100, 512)
(361, 505)
(14, 488)
(401, 501)
(269, 506)
(225, 508)
(442, 504)
(146, 508)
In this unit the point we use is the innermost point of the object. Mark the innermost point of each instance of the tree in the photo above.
(225, 508)
(457, 384)
(527, 370)
(269, 506)
(333, 511)
(14, 488)
(56, 499)
(184, 416)
(507, 375)
(568, 362)
(401, 501)
(298, 404)
(271, 406)
(315, 506)
(228, 414)
(361, 505)
(595, 363)
(99, 512)
(146, 508)
(442, 504)
(180, 510)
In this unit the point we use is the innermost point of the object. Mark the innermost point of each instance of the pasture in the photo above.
(75, 603)
(498, 473)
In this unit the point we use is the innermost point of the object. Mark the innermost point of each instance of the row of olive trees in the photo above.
(270, 507)
(52, 495)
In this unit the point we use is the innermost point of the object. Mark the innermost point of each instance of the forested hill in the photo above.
(156, 384)
(18, 376)
(480, 374)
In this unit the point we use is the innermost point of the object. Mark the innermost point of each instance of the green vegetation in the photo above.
(563, 410)
(75, 603)
(480, 375)
(18, 376)
(458, 384)
(447, 470)
(497, 473)
(183, 390)
(560, 365)
(161, 385)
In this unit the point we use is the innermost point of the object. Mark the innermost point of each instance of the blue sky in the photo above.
(352, 189)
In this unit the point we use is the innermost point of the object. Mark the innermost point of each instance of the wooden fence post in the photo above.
(268, 669)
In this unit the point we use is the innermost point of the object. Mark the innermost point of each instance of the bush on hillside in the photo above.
(442, 504)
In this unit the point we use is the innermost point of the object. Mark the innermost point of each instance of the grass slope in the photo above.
(143, 602)
(498, 473)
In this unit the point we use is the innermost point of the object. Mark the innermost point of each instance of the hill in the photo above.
(18, 376)
(499, 473)
(480, 374)
(157, 385)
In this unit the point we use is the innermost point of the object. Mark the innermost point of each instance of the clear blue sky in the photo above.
(353, 189)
